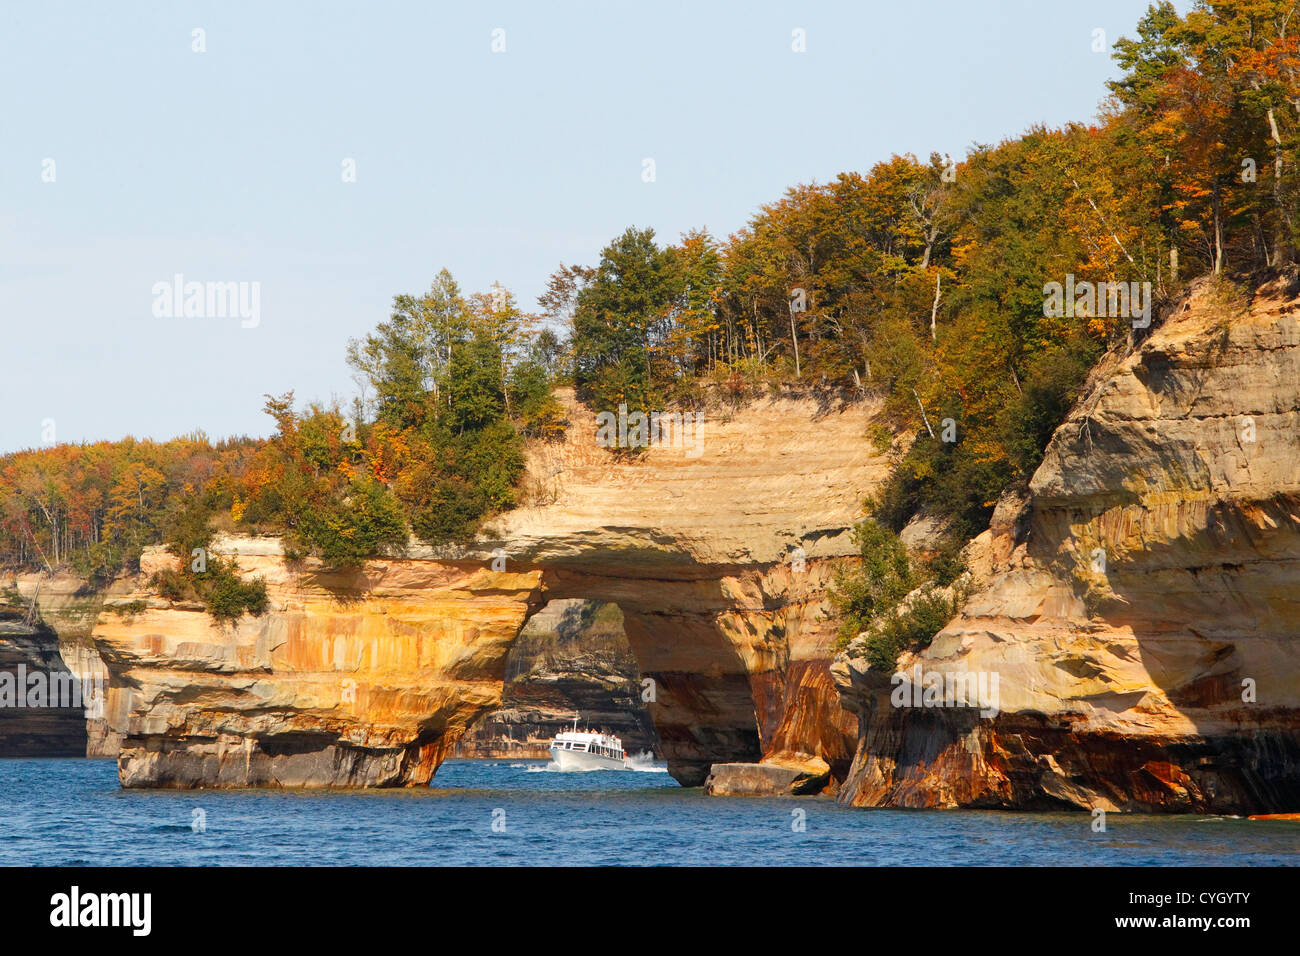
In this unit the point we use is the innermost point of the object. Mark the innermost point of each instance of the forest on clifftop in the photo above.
(934, 283)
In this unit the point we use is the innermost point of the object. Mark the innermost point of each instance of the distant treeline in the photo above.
(452, 387)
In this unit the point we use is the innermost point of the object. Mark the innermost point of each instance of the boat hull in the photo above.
(577, 760)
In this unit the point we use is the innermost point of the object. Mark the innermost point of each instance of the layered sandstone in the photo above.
(59, 641)
(767, 778)
(354, 677)
(37, 716)
(719, 562)
(1139, 607)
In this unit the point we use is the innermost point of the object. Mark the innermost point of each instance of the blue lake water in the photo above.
(72, 812)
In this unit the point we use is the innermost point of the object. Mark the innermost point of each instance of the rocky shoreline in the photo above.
(1136, 603)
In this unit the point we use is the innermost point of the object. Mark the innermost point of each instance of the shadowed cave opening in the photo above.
(39, 714)
(571, 660)
(681, 685)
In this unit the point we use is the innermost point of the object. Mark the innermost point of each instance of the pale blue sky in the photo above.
(225, 165)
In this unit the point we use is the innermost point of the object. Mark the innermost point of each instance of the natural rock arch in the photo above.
(367, 676)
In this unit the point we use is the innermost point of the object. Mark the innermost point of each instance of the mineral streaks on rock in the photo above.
(359, 677)
(1140, 607)
(367, 677)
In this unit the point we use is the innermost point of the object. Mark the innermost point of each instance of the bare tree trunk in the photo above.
(1103, 219)
(934, 309)
(1218, 232)
(794, 337)
(505, 383)
(1280, 244)
(924, 417)
(931, 237)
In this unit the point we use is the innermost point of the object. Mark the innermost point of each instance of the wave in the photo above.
(643, 762)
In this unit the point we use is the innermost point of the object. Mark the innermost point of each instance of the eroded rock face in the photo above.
(359, 677)
(60, 641)
(718, 561)
(766, 779)
(1140, 608)
(33, 679)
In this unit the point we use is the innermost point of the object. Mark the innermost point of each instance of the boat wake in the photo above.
(643, 762)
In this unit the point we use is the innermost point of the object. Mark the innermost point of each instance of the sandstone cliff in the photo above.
(57, 643)
(719, 563)
(31, 673)
(1139, 607)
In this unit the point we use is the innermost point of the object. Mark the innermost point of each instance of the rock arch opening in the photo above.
(571, 661)
(696, 680)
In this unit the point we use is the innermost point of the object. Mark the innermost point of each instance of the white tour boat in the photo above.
(580, 750)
